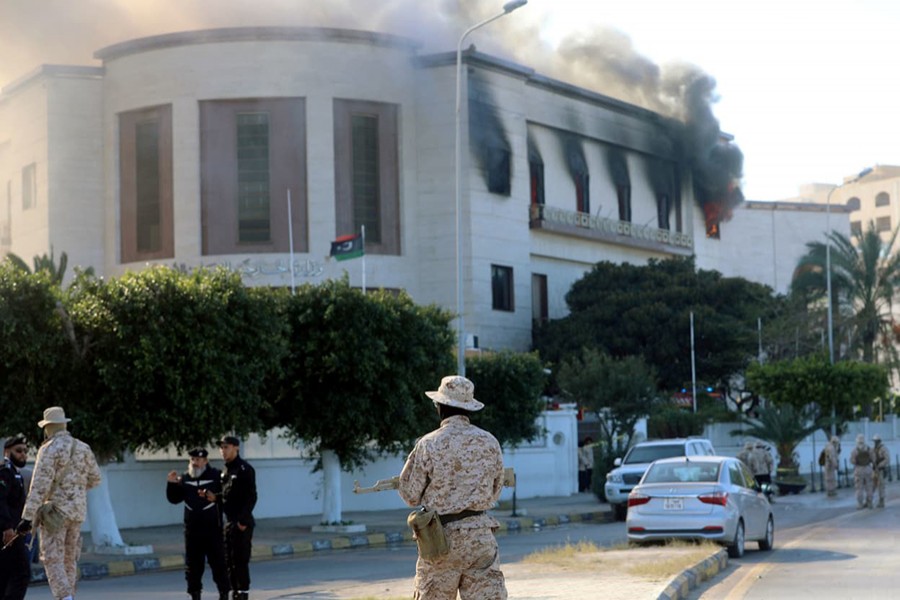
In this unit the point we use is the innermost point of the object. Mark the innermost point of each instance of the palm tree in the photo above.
(784, 427)
(43, 263)
(864, 277)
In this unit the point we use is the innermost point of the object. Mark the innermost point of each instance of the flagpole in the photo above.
(363, 235)
(693, 366)
(291, 237)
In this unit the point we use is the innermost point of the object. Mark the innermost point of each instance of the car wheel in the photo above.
(620, 511)
(769, 541)
(736, 547)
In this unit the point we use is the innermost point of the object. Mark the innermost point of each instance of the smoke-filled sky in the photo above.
(809, 88)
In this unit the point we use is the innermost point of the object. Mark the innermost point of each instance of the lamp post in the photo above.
(861, 174)
(460, 330)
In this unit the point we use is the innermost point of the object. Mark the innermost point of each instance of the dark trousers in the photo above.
(15, 571)
(238, 545)
(202, 544)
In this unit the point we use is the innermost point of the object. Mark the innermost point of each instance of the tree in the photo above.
(628, 310)
(864, 277)
(814, 381)
(163, 358)
(510, 384)
(784, 426)
(43, 263)
(620, 391)
(354, 378)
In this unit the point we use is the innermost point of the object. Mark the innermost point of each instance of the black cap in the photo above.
(229, 440)
(15, 440)
(199, 453)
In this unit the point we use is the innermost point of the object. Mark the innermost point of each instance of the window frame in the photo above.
(883, 224)
(29, 186)
(882, 199)
(502, 288)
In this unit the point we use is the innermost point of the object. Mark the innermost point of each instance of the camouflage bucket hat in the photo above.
(456, 391)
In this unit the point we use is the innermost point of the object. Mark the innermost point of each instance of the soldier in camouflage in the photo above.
(457, 471)
(832, 454)
(882, 461)
(862, 459)
(65, 469)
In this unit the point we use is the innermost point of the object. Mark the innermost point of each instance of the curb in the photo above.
(171, 562)
(679, 587)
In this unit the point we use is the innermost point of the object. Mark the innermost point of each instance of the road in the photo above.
(852, 554)
(807, 537)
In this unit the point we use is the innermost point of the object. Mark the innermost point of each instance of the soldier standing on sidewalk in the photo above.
(15, 563)
(832, 452)
(862, 459)
(882, 462)
(762, 463)
(202, 522)
(457, 471)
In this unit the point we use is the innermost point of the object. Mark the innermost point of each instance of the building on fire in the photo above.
(183, 149)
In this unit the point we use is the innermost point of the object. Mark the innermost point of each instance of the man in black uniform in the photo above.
(202, 522)
(15, 564)
(238, 500)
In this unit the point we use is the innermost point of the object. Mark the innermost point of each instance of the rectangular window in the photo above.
(536, 172)
(253, 177)
(498, 176)
(146, 229)
(623, 193)
(856, 228)
(366, 173)
(252, 153)
(502, 288)
(147, 181)
(539, 310)
(29, 187)
(583, 193)
(366, 188)
(882, 224)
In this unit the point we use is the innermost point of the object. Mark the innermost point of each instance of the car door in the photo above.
(756, 504)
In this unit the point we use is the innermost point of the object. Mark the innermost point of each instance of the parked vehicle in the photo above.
(628, 472)
(710, 498)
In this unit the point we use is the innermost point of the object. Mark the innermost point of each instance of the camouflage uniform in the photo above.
(455, 468)
(862, 473)
(882, 461)
(746, 455)
(60, 551)
(831, 465)
(762, 463)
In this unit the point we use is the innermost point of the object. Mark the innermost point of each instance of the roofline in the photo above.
(254, 34)
(797, 206)
(68, 71)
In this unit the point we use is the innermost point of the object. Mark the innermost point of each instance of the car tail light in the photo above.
(638, 499)
(720, 498)
(712, 529)
(636, 530)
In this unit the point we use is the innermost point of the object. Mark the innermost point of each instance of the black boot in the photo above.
(194, 595)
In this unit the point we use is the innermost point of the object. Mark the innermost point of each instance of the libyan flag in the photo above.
(347, 247)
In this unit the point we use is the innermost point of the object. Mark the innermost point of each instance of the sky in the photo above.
(808, 88)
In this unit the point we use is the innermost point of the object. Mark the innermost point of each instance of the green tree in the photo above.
(619, 390)
(629, 310)
(43, 263)
(357, 368)
(510, 384)
(864, 277)
(33, 351)
(784, 426)
(813, 381)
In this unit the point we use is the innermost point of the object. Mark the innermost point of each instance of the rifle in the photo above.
(509, 480)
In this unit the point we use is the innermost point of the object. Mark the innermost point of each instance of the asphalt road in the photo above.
(318, 576)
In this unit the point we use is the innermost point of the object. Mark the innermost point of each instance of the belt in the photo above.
(460, 515)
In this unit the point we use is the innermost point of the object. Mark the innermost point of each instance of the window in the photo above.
(583, 192)
(502, 288)
(145, 184)
(882, 224)
(856, 228)
(539, 309)
(29, 187)
(853, 203)
(536, 174)
(366, 170)
(252, 153)
(623, 193)
(882, 199)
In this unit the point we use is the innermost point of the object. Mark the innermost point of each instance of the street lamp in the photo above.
(861, 174)
(460, 330)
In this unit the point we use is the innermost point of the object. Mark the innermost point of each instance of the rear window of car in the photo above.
(682, 473)
(647, 454)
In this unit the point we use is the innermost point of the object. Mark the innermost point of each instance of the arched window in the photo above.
(882, 199)
(853, 203)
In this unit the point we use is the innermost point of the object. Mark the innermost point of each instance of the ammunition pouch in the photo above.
(428, 533)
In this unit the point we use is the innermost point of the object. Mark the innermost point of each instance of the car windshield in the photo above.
(647, 454)
(682, 472)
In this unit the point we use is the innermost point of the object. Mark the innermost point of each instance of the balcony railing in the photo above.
(577, 224)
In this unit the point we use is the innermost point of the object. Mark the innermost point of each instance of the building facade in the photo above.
(184, 149)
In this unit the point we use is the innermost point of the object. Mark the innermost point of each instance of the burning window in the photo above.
(536, 175)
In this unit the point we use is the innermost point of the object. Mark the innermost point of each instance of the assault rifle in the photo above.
(509, 480)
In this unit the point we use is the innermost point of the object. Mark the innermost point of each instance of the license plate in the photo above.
(673, 504)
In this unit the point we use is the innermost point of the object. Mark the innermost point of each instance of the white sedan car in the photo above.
(701, 498)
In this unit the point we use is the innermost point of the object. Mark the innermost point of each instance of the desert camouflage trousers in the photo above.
(59, 553)
(830, 481)
(862, 479)
(472, 568)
